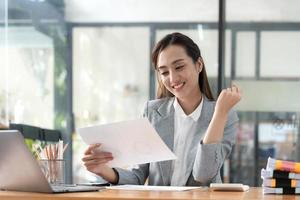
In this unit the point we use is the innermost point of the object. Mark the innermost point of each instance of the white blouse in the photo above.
(184, 127)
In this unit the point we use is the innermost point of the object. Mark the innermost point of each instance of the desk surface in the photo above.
(203, 193)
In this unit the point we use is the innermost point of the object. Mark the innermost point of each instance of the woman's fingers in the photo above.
(91, 148)
(97, 161)
(233, 91)
(101, 155)
(228, 98)
(235, 88)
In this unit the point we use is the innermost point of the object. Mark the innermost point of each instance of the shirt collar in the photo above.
(194, 115)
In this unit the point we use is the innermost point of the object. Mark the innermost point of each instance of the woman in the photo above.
(197, 129)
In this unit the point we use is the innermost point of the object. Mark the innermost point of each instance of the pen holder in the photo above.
(54, 171)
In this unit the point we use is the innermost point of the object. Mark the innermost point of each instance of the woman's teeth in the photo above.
(178, 86)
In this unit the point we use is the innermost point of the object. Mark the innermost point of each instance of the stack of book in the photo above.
(281, 177)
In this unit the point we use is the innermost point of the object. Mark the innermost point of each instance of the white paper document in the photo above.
(130, 142)
(151, 188)
(229, 187)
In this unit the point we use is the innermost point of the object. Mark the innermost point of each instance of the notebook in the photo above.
(281, 183)
(270, 173)
(20, 171)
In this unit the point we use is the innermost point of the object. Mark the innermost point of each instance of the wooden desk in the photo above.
(205, 193)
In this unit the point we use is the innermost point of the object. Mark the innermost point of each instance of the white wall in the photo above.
(141, 10)
(269, 96)
(263, 10)
(280, 54)
(180, 10)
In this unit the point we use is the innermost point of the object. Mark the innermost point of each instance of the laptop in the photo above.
(20, 171)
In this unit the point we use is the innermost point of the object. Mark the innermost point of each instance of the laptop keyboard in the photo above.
(75, 188)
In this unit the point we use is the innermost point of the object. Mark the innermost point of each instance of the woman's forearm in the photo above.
(215, 130)
(226, 100)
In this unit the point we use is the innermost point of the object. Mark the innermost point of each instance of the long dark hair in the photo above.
(192, 51)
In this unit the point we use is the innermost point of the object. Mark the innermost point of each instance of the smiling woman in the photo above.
(178, 71)
(197, 129)
(177, 57)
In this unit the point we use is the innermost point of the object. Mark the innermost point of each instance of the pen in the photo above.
(93, 184)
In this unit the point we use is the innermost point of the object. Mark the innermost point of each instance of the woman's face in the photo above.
(178, 73)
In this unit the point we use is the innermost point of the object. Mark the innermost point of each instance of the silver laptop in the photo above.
(20, 171)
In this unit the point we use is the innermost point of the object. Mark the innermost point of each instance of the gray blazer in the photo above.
(205, 159)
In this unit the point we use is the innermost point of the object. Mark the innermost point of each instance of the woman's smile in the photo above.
(178, 87)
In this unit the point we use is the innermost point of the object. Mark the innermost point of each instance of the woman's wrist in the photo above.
(221, 113)
(109, 174)
(116, 180)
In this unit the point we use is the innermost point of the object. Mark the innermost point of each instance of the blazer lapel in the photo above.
(165, 124)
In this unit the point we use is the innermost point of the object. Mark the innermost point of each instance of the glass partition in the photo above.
(29, 67)
(265, 64)
(33, 54)
(111, 80)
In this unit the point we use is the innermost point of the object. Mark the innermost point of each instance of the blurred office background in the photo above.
(70, 63)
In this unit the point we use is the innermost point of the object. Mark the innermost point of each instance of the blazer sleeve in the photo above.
(138, 175)
(210, 157)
